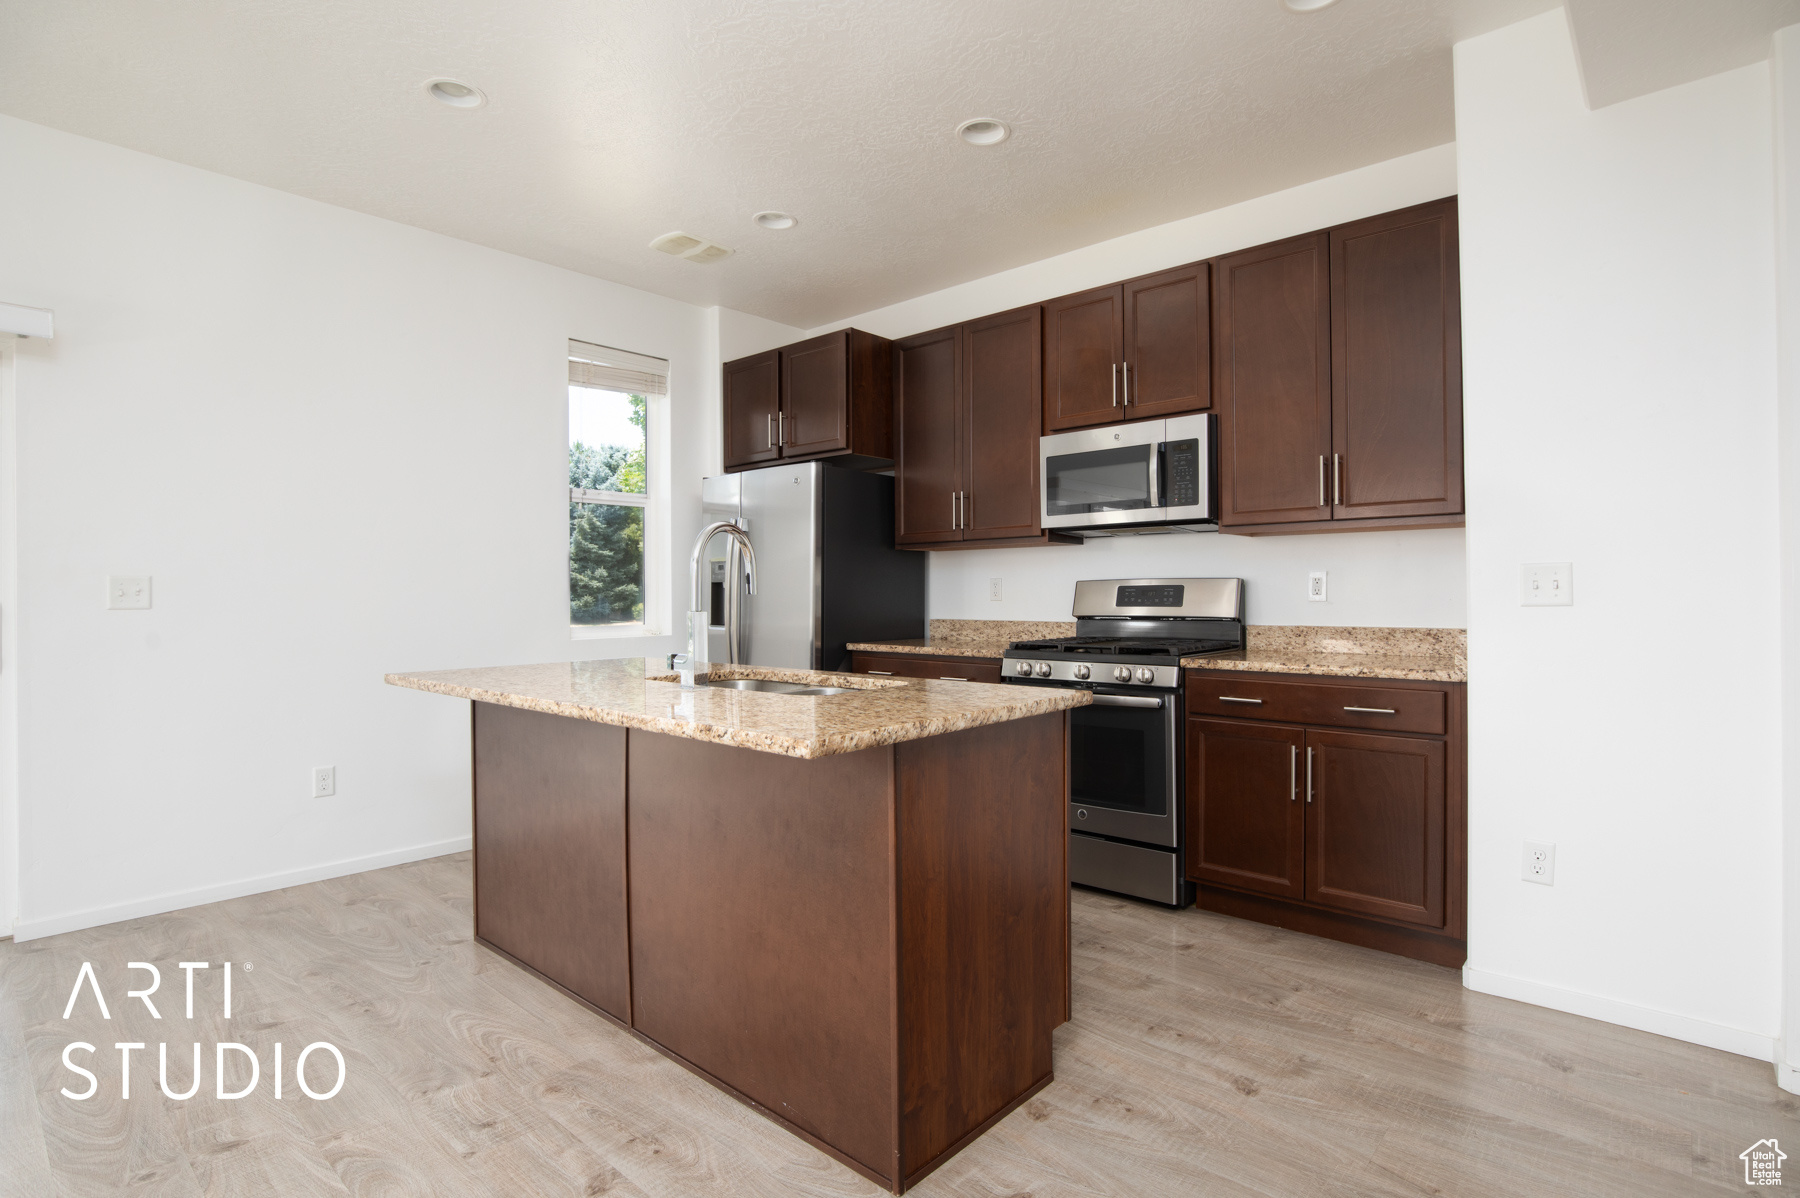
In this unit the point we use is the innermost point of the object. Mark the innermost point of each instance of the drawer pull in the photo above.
(948, 678)
(1235, 699)
(1373, 710)
(878, 671)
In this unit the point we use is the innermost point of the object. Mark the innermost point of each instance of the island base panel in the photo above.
(549, 836)
(762, 911)
(984, 919)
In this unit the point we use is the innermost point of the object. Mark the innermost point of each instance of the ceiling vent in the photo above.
(691, 248)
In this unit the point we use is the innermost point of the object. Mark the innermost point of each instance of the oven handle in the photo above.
(1126, 701)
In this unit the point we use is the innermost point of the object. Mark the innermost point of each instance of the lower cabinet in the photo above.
(926, 665)
(1343, 833)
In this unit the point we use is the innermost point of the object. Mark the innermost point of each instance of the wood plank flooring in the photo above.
(1207, 1056)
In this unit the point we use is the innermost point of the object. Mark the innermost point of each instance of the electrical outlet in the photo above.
(1547, 584)
(1315, 586)
(324, 781)
(1540, 863)
(127, 593)
(994, 590)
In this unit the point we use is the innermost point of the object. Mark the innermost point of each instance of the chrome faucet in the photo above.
(698, 617)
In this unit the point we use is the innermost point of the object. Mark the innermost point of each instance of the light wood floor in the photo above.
(1207, 1057)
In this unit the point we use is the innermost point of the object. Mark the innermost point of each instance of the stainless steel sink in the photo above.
(770, 686)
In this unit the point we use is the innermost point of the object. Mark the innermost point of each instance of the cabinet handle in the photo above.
(948, 678)
(953, 523)
(1115, 384)
(1373, 710)
(1309, 754)
(1321, 480)
(1235, 699)
(1293, 769)
(1125, 383)
(965, 508)
(878, 671)
(1337, 479)
(781, 428)
(770, 430)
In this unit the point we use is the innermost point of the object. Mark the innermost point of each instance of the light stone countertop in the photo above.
(970, 638)
(628, 693)
(1419, 654)
(1422, 654)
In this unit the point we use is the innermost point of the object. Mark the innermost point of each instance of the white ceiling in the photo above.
(613, 121)
(1630, 48)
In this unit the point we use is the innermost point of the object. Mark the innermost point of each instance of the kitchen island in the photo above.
(848, 910)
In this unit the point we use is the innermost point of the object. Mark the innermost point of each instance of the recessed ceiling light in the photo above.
(457, 95)
(984, 131)
(775, 220)
(1307, 5)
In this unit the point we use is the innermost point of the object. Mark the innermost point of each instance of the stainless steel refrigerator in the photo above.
(827, 570)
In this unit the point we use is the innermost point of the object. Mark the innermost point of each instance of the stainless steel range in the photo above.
(1125, 753)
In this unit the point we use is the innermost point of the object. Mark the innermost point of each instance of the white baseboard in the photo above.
(75, 921)
(1612, 1010)
(1787, 1077)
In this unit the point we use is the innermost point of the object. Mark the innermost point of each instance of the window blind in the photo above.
(616, 370)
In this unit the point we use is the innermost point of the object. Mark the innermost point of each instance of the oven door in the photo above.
(1123, 774)
(1101, 476)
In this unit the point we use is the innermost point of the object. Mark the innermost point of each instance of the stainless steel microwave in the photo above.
(1142, 474)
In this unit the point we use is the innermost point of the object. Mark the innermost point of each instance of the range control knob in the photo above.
(1043, 669)
(1023, 667)
(1146, 674)
(1081, 672)
(1122, 674)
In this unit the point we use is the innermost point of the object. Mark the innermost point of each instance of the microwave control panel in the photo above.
(1182, 461)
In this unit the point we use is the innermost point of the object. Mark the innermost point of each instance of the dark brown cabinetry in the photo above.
(828, 396)
(1131, 350)
(966, 415)
(1338, 372)
(1245, 826)
(549, 832)
(927, 665)
(1355, 835)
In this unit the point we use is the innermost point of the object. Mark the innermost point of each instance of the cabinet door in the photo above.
(1396, 364)
(1245, 818)
(752, 402)
(922, 665)
(928, 437)
(1084, 338)
(1168, 343)
(815, 396)
(1002, 366)
(549, 828)
(1272, 381)
(1375, 825)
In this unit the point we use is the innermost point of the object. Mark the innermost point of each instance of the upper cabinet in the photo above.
(1338, 372)
(1128, 351)
(828, 396)
(967, 409)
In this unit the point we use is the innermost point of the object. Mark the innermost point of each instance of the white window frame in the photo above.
(657, 502)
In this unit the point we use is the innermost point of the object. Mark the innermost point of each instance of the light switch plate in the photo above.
(124, 593)
(1547, 584)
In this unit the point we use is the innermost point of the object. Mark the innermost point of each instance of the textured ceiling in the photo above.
(612, 122)
(1630, 48)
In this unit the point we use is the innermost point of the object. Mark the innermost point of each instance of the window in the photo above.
(614, 398)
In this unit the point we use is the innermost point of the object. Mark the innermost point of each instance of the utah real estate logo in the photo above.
(1762, 1163)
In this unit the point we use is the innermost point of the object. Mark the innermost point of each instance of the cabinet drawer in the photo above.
(1381, 709)
(955, 669)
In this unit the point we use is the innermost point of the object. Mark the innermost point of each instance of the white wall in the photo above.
(1784, 66)
(338, 446)
(1618, 323)
(1394, 579)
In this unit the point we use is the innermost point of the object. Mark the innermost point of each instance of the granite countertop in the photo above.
(1419, 654)
(971, 638)
(882, 711)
